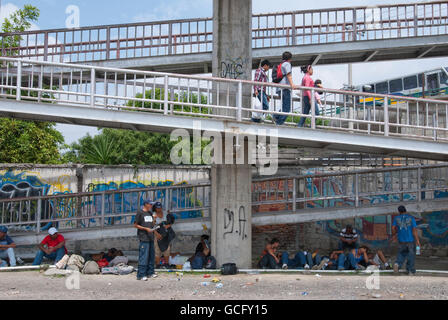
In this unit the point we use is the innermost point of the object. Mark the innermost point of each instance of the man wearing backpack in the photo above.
(282, 74)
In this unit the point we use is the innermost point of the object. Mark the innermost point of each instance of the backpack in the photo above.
(211, 263)
(228, 269)
(75, 261)
(277, 74)
(91, 267)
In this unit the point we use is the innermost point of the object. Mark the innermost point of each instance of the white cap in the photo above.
(52, 231)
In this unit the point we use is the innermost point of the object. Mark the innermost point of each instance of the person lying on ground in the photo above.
(298, 262)
(352, 260)
(270, 258)
(51, 247)
(7, 246)
(377, 259)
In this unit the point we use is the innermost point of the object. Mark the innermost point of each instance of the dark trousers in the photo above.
(268, 262)
(286, 107)
(146, 259)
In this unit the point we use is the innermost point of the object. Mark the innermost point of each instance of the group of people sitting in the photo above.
(349, 256)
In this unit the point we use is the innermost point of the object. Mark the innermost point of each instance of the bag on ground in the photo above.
(61, 264)
(211, 263)
(77, 261)
(229, 268)
(118, 260)
(91, 267)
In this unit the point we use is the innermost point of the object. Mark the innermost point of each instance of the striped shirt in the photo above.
(260, 76)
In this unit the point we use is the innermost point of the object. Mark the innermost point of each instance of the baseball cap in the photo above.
(3, 229)
(148, 202)
(156, 205)
(52, 231)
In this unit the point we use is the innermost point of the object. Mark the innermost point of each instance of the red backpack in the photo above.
(277, 74)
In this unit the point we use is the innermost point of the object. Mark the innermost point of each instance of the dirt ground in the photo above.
(35, 285)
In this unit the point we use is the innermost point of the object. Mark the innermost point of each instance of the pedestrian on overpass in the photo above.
(144, 223)
(404, 228)
(307, 81)
(282, 74)
(260, 91)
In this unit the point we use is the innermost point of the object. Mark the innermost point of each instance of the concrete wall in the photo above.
(373, 231)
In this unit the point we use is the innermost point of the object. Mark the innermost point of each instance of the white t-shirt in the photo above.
(286, 69)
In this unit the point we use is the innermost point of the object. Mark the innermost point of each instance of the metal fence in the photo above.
(162, 38)
(350, 189)
(101, 209)
(208, 97)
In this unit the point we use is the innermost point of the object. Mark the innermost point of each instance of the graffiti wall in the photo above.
(374, 231)
(18, 181)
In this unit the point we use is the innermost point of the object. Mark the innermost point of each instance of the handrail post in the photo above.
(294, 192)
(165, 98)
(46, 46)
(386, 116)
(354, 25)
(38, 214)
(92, 87)
(103, 209)
(356, 190)
(313, 109)
(419, 184)
(19, 80)
(170, 39)
(108, 43)
(239, 101)
(293, 32)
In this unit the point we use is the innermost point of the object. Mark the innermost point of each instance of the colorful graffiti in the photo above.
(374, 231)
(130, 202)
(30, 184)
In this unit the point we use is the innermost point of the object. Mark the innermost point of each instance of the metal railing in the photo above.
(350, 189)
(163, 38)
(101, 209)
(218, 98)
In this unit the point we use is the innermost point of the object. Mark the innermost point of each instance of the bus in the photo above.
(422, 85)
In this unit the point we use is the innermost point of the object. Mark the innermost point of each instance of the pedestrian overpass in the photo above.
(275, 200)
(162, 102)
(323, 36)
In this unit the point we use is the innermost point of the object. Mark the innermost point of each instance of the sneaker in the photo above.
(284, 266)
(360, 267)
(154, 275)
(396, 268)
(306, 267)
(143, 279)
(20, 261)
(340, 268)
(321, 264)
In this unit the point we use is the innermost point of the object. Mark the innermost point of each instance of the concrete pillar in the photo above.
(231, 214)
(231, 183)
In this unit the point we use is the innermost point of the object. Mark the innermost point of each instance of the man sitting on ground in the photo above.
(52, 247)
(348, 239)
(7, 246)
(353, 260)
(270, 257)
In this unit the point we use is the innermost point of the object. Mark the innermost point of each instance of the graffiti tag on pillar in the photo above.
(232, 68)
(229, 221)
(242, 222)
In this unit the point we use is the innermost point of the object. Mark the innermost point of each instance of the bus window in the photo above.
(443, 78)
(410, 83)
(396, 85)
(420, 80)
(369, 88)
(381, 87)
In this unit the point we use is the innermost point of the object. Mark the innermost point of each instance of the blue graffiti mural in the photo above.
(130, 202)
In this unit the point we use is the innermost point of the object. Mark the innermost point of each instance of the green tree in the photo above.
(29, 142)
(26, 141)
(18, 21)
(117, 146)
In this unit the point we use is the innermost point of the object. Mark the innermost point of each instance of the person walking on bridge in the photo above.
(282, 74)
(307, 81)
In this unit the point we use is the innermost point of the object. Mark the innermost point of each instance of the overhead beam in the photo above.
(316, 59)
(425, 52)
(371, 55)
